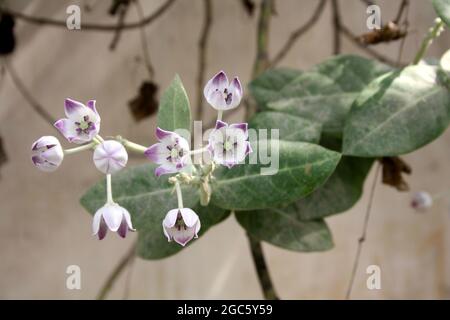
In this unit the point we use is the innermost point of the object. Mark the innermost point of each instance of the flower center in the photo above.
(180, 222)
(84, 126)
(175, 153)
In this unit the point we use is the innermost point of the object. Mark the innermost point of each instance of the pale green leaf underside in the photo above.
(268, 85)
(174, 109)
(291, 128)
(302, 168)
(148, 199)
(283, 228)
(442, 8)
(326, 93)
(397, 113)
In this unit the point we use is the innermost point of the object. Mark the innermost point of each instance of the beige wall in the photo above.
(43, 229)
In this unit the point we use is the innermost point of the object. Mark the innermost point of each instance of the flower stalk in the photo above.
(432, 34)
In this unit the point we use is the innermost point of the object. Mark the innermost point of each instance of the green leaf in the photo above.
(291, 128)
(148, 199)
(325, 94)
(341, 191)
(442, 8)
(397, 113)
(284, 228)
(268, 85)
(302, 167)
(174, 110)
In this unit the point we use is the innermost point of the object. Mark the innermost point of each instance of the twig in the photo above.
(261, 268)
(202, 45)
(295, 35)
(128, 277)
(107, 286)
(336, 18)
(364, 233)
(346, 32)
(401, 9)
(122, 13)
(40, 110)
(406, 26)
(91, 26)
(262, 45)
(144, 42)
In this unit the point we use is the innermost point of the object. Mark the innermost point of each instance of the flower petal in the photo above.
(123, 228)
(112, 214)
(236, 89)
(96, 222)
(73, 108)
(218, 82)
(220, 124)
(161, 134)
(127, 217)
(157, 153)
(183, 236)
(171, 218)
(165, 169)
(91, 105)
(67, 128)
(190, 218)
(102, 230)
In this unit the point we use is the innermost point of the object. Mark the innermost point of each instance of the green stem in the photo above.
(80, 148)
(432, 34)
(131, 145)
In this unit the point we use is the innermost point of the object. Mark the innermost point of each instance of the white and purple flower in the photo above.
(421, 201)
(110, 157)
(113, 217)
(82, 123)
(181, 225)
(228, 144)
(221, 94)
(171, 153)
(47, 153)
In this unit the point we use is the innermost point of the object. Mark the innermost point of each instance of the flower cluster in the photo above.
(227, 145)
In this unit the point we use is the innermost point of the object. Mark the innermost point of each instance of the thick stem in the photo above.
(109, 197)
(262, 46)
(202, 54)
(131, 145)
(179, 195)
(433, 33)
(261, 269)
(80, 148)
(126, 259)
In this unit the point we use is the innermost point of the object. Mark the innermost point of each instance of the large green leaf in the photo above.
(174, 110)
(442, 8)
(269, 84)
(325, 94)
(148, 199)
(283, 227)
(397, 113)
(291, 128)
(302, 167)
(341, 191)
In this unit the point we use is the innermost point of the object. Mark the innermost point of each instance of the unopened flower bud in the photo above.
(47, 153)
(421, 200)
(110, 157)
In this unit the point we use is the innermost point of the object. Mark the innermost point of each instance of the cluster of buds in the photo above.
(228, 146)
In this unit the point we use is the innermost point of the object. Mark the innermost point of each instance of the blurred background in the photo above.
(44, 229)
